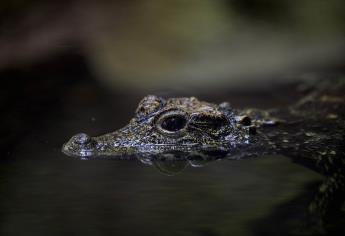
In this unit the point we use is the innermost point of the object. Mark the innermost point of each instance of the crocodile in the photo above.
(311, 132)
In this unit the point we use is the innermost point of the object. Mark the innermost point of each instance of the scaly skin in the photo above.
(312, 130)
(175, 124)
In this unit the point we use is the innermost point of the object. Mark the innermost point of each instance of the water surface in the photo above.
(62, 196)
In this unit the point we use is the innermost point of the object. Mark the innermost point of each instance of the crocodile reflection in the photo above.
(174, 162)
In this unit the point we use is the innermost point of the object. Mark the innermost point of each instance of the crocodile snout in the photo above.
(79, 145)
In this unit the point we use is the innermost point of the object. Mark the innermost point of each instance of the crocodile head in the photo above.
(163, 125)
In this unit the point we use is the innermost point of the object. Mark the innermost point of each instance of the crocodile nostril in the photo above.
(244, 120)
(81, 138)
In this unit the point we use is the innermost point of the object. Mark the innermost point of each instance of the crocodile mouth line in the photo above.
(175, 147)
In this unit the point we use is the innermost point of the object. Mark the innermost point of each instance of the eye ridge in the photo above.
(204, 121)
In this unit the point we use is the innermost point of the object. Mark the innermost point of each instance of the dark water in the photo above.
(43, 192)
(60, 196)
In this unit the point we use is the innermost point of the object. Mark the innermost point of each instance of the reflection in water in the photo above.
(170, 168)
(323, 209)
(323, 203)
(173, 163)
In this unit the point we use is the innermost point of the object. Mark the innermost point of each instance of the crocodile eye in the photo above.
(173, 122)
